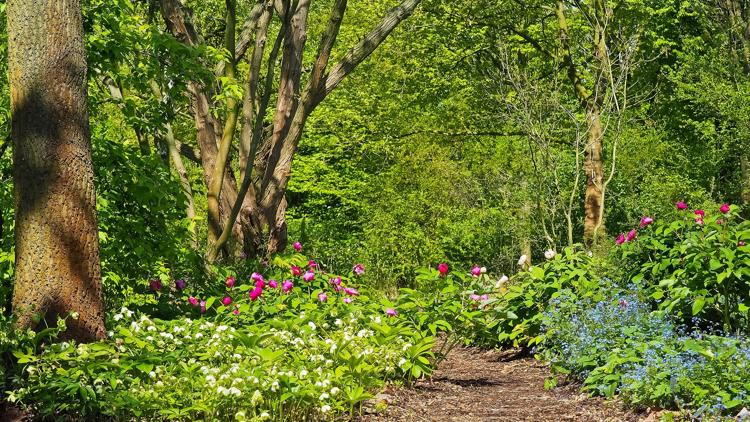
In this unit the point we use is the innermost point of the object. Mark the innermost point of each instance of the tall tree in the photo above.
(57, 250)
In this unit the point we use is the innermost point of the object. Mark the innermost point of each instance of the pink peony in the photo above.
(296, 271)
(155, 285)
(699, 221)
(226, 301)
(236, 311)
(309, 276)
(700, 213)
(347, 300)
(351, 291)
(255, 294)
(193, 301)
(645, 221)
(273, 284)
(443, 269)
(336, 281)
(179, 284)
(230, 282)
(338, 287)
(322, 297)
(681, 206)
(359, 269)
(287, 286)
(312, 264)
(391, 312)
(297, 246)
(724, 208)
(620, 239)
(260, 284)
(476, 271)
(631, 235)
(257, 277)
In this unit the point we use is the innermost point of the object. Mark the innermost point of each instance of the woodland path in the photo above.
(476, 385)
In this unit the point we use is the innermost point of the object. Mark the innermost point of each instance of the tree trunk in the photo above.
(593, 165)
(57, 249)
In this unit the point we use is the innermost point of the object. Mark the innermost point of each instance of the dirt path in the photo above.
(475, 385)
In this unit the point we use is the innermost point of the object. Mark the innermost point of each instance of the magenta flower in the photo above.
(230, 282)
(296, 271)
(236, 311)
(260, 284)
(359, 269)
(297, 246)
(309, 276)
(273, 284)
(351, 291)
(336, 281)
(322, 297)
(443, 269)
(338, 288)
(226, 301)
(257, 277)
(193, 301)
(255, 294)
(700, 213)
(476, 271)
(155, 285)
(631, 235)
(681, 206)
(720, 221)
(312, 264)
(724, 208)
(347, 300)
(699, 221)
(645, 221)
(620, 239)
(203, 306)
(287, 286)
(391, 312)
(179, 284)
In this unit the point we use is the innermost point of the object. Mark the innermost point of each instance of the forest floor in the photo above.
(477, 385)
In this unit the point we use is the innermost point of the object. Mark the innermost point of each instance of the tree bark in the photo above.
(57, 250)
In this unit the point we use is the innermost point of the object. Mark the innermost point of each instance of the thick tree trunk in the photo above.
(57, 250)
(593, 227)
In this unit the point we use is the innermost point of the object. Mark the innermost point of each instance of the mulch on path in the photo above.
(477, 385)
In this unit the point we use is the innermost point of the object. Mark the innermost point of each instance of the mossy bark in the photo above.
(57, 249)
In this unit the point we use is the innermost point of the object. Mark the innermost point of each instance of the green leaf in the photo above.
(700, 301)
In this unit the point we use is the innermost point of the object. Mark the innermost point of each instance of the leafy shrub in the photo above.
(696, 266)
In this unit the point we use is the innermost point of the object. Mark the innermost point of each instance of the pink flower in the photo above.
(312, 264)
(476, 271)
(203, 306)
(631, 235)
(475, 297)
(741, 243)
(359, 269)
(338, 288)
(700, 213)
(443, 269)
(296, 271)
(309, 276)
(720, 221)
(179, 284)
(260, 284)
(297, 246)
(681, 205)
(287, 286)
(391, 312)
(645, 221)
(193, 301)
(322, 297)
(484, 297)
(699, 221)
(351, 291)
(336, 281)
(620, 239)
(273, 284)
(347, 300)
(257, 277)
(226, 301)
(155, 285)
(255, 294)
(724, 208)
(230, 282)
(236, 311)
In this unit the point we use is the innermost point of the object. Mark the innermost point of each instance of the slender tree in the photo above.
(57, 250)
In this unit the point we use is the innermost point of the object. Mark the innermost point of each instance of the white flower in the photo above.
(338, 322)
(549, 254)
(265, 416)
(221, 328)
(312, 325)
(325, 408)
(501, 281)
(483, 270)
(235, 391)
(323, 396)
(117, 317)
(198, 335)
(401, 362)
(334, 391)
(151, 328)
(303, 373)
(522, 260)
(237, 356)
(257, 397)
(152, 374)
